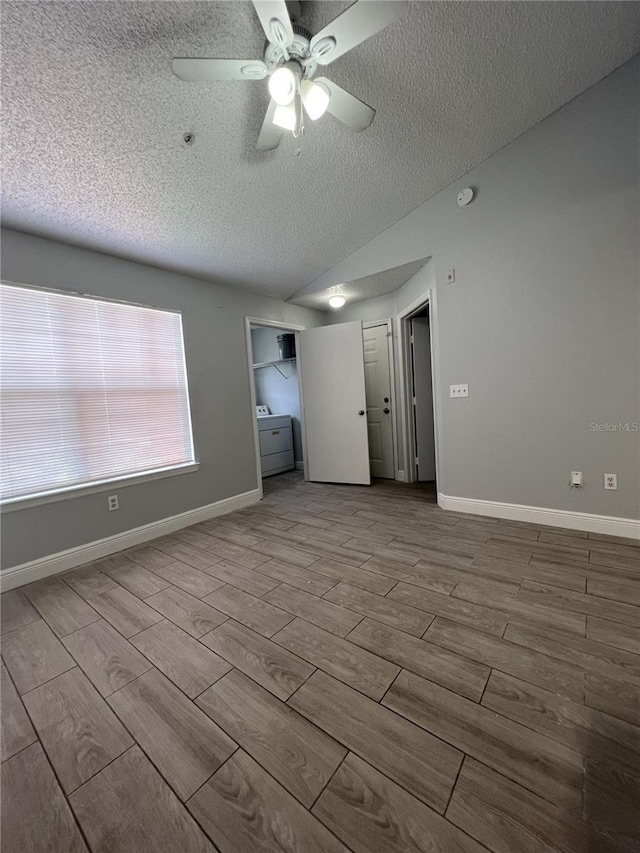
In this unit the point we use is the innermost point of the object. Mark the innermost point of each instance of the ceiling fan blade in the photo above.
(270, 134)
(358, 23)
(346, 107)
(275, 21)
(219, 69)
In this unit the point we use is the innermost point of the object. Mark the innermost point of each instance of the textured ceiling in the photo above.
(93, 125)
(367, 287)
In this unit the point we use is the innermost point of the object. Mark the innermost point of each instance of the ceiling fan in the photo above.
(292, 58)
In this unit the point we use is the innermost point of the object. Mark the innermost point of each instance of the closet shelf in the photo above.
(273, 363)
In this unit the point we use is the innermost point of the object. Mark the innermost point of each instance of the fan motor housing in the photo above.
(299, 50)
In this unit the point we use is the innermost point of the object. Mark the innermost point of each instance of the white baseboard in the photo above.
(401, 476)
(64, 560)
(628, 527)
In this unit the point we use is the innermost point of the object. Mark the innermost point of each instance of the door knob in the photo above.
(386, 411)
(361, 412)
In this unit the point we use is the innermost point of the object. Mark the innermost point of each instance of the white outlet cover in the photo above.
(611, 482)
(458, 390)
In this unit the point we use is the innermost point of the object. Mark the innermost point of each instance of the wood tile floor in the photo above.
(338, 668)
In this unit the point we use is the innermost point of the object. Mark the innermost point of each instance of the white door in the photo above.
(331, 364)
(377, 379)
(423, 400)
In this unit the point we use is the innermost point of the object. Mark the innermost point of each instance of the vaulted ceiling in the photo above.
(94, 122)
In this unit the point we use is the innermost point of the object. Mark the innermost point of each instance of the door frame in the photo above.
(407, 426)
(288, 327)
(392, 384)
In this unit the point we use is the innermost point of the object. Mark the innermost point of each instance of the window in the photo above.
(91, 391)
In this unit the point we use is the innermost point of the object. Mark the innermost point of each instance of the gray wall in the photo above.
(543, 319)
(380, 308)
(218, 384)
(281, 395)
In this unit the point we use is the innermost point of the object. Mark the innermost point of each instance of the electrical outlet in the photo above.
(611, 482)
(450, 276)
(113, 503)
(458, 390)
(576, 478)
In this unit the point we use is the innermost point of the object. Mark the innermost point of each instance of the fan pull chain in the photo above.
(299, 127)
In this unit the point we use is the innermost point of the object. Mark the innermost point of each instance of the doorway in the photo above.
(422, 398)
(418, 343)
(325, 392)
(377, 342)
(276, 397)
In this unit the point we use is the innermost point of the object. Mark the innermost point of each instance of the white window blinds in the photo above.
(91, 391)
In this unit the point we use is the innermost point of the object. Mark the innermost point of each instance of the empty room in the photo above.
(320, 426)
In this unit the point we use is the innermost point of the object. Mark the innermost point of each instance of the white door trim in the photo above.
(408, 432)
(290, 327)
(392, 383)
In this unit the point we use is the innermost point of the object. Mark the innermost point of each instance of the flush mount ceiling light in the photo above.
(337, 301)
(291, 59)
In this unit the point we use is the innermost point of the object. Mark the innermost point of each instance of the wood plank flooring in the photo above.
(336, 669)
(35, 815)
(16, 731)
(183, 743)
(129, 807)
(297, 754)
(68, 712)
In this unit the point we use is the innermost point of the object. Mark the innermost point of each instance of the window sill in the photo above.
(15, 504)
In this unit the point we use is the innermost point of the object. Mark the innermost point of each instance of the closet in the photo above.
(275, 373)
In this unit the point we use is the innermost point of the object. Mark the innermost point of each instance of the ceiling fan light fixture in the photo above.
(283, 83)
(337, 301)
(285, 117)
(291, 56)
(315, 97)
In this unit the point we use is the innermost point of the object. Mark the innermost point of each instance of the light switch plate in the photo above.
(458, 390)
(450, 276)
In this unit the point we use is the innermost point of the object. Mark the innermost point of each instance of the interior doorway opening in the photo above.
(424, 439)
(417, 328)
(276, 397)
(327, 414)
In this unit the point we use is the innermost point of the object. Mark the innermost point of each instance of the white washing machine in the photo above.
(276, 442)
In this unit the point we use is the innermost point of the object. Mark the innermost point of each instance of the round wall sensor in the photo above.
(465, 197)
